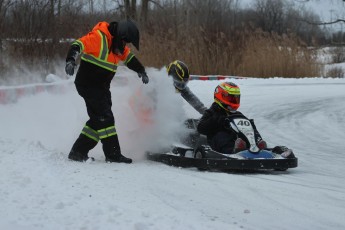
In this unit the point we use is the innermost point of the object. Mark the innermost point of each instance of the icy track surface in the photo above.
(41, 189)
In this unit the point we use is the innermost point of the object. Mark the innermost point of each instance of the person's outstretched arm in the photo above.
(193, 100)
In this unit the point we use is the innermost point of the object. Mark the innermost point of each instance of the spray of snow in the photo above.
(130, 101)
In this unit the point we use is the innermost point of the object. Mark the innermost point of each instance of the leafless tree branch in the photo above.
(325, 23)
(156, 3)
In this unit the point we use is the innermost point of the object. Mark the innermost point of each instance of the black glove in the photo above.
(144, 77)
(70, 65)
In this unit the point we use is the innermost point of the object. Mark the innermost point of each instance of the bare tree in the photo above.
(270, 14)
(91, 6)
(144, 10)
(210, 35)
(4, 6)
(131, 8)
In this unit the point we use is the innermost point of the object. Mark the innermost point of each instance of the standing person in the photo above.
(102, 49)
(180, 73)
(215, 122)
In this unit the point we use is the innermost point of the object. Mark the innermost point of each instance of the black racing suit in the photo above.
(220, 136)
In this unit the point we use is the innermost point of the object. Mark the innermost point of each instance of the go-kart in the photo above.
(197, 153)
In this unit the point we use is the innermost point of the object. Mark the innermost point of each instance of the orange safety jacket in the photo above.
(95, 48)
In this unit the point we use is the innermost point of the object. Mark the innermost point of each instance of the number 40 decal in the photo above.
(243, 123)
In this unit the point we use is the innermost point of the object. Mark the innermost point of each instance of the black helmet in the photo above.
(179, 72)
(128, 32)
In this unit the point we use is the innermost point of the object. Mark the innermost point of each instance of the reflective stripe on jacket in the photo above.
(95, 48)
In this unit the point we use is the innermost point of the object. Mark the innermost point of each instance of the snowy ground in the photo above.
(41, 189)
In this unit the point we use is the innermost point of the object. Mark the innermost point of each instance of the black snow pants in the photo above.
(101, 123)
(223, 142)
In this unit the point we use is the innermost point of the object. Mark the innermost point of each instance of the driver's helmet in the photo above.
(180, 74)
(227, 95)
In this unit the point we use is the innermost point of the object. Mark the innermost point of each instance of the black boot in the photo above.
(80, 149)
(118, 159)
(112, 151)
(78, 156)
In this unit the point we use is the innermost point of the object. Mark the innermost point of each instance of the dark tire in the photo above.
(200, 154)
(281, 169)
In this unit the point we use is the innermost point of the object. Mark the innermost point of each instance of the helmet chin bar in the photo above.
(230, 108)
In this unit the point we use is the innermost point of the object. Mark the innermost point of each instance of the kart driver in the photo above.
(215, 122)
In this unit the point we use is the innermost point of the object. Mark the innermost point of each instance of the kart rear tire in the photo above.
(200, 154)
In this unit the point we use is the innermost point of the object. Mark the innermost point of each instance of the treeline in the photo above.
(211, 36)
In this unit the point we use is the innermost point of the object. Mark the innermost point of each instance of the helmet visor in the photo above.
(231, 98)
